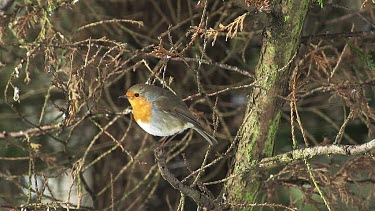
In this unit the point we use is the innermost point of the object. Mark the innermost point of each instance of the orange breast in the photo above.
(141, 109)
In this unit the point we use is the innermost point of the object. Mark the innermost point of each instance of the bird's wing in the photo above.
(175, 107)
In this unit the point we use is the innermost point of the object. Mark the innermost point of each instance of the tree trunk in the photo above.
(257, 134)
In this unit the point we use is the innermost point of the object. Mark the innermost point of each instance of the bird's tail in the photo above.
(212, 140)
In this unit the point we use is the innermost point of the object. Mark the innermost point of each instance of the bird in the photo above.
(160, 112)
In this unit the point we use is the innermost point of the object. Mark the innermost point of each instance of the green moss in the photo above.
(286, 18)
(252, 142)
(321, 3)
(270, 143)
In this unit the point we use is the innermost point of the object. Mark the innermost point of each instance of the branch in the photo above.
(217, 64)
(311, 152)
(199, 198)
(41, 130)
(362, 34)
(37, 131)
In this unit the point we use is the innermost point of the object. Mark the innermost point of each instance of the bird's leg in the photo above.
(166, 140)
(163, 141)
(160, 147)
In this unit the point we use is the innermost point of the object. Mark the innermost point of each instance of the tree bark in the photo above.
(257, 134)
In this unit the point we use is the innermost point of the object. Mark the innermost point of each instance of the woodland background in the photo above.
(67, 140)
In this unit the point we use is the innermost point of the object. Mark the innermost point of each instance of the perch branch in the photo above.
(200, 198)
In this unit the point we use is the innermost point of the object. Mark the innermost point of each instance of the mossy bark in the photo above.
(257, 135)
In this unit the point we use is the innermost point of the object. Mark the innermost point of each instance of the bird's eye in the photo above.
(136, 95)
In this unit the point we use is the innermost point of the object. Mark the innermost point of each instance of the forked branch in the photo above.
(199, 197)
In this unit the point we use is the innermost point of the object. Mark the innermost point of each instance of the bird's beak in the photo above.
(123, 96)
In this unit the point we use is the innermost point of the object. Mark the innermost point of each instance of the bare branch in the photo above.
(38, 131)
(311, 152)
(363, 34)
(200, 198)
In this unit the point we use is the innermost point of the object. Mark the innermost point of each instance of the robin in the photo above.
(159, 112)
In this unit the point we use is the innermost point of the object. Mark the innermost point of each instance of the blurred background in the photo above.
(67, 140)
